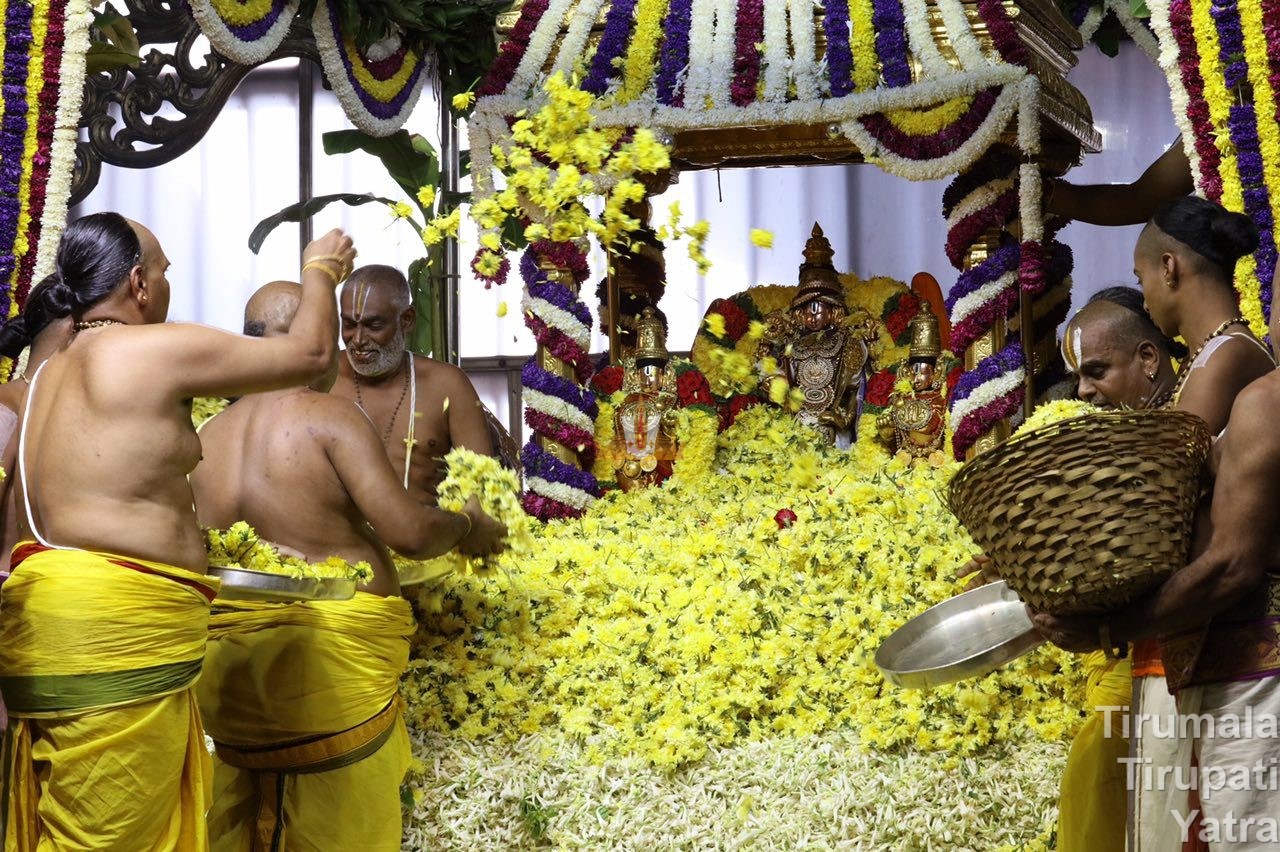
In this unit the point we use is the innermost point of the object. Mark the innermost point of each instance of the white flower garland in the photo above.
(557, 318)
(1141, 36)
(980, 199)
(62, 149)
(573, 47)
(559, 409)
(1168, 62)
(966, 305)
(958, 160)
(701, 54)
(987, 393)
(776, 53)
(724, 46)
(1092, 20)
(336, 72)
(541, 43)
(1030, 199)
(961, 34)
(232, 46)
(1029, 115)
(558, 491)
(803, 70)
(920, 38)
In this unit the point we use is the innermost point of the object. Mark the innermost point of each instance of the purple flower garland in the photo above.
(1242, 127)
(13, 132)
(675, 53)
(618, 24)
(891, 42)
(835, 23)
(992, 367)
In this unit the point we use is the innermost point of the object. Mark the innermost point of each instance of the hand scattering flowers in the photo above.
(239, 546)
(498, 490)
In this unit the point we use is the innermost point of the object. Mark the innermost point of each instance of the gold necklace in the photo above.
(1185, 371)
(102, 323)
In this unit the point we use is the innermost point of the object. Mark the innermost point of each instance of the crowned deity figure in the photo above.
(819, 347)
(916, 419)
(644, 424)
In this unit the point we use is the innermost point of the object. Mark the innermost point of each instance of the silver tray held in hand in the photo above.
(969, 635)
(239, 584)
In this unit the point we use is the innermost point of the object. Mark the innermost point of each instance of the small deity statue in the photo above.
(644, 425)
(819, 347)
(916, 419)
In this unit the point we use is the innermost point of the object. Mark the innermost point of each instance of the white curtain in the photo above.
(203, 205)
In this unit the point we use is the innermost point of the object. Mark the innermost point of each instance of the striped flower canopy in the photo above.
(921, 88)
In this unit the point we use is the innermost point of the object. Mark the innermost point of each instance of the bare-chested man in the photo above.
(104, 617)
(432, 406)
(13, 393)
(307, 471)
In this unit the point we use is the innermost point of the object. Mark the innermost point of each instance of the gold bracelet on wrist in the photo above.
(323, 266)
(467, 518)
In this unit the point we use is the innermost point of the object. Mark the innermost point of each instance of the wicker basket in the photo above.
(1086, 514)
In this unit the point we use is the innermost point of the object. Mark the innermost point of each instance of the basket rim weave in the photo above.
(977, 465)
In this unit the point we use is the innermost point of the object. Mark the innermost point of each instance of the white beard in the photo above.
(385, 361)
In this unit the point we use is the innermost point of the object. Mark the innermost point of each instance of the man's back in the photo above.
(268, 461)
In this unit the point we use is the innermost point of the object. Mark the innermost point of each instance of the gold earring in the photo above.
(1151, 377)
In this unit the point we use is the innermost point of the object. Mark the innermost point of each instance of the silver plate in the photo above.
(969, 635)
(239, 584)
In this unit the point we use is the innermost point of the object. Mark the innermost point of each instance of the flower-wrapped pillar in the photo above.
(560, 409)
(979, 205)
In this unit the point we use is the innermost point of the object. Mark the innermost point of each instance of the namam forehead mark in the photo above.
(1072, 348)
(361, 297)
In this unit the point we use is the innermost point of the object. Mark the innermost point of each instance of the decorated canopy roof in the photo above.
(922, 87)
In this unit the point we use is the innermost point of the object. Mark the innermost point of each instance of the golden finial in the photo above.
(651, 338)
(925, 339)
(818, 278)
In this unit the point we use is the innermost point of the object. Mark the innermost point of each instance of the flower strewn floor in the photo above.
(675, 670)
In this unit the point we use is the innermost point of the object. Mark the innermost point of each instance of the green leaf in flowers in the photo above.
(113, 43)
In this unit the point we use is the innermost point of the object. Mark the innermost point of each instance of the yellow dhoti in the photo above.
(1093, 806)
(302, 702)
(98, 655)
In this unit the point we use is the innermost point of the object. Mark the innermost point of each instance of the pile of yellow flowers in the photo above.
(555, 160)
(729, 608)
(239, 546)
(1054, 412)
(498, 490)
(204, 408)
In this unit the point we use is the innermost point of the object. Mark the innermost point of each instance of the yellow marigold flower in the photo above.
(761, 238)
(902, 386)
(401, 209)
(536, 231)
(427, 196)
(502, 309)
(699, 230)
(488, 264)
(463, 100)
(431, 235)
(778, 388)
(491, 241)
(715, 324)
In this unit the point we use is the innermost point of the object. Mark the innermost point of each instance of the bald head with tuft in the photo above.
(270, 309)
(1118, 354)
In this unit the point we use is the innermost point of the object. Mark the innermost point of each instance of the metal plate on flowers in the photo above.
(969, 635)
(239, 584)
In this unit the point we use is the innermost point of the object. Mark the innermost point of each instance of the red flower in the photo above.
(736, 406)
(898, 322)
(607, 381)
(952, 378)
(692, 389)
(784, 518)
(736, 321)
(879, 387)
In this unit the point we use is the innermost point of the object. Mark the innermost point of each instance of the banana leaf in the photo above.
(408, 158)
(305, 210)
